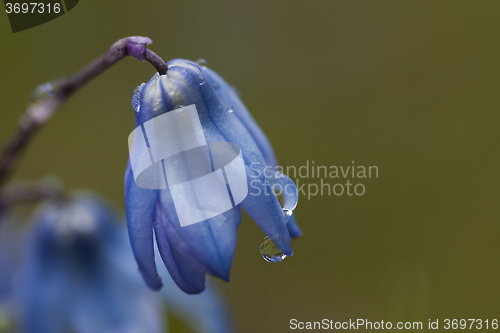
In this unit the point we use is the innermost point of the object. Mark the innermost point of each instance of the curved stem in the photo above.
(43, 109)
(156, 61)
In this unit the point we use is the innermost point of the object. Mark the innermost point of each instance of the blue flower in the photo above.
(78, 275)
(190, 252)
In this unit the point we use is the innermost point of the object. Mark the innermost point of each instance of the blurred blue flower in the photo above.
(207, 247)
(78, 275)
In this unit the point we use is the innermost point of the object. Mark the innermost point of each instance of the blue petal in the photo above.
(208, 246)
(187, 278)
(230, 97)
(293, 228)
(140, 210)
(206, 312)
(263, 206)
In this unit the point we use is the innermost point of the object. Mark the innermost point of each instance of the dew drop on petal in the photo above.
(136, 98)
(287, 193)
(288, 212)
(230, 109)
(201, 62)
(270, 252)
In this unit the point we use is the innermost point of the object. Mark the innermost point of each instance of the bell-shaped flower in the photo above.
(191, 251)
(78, 275)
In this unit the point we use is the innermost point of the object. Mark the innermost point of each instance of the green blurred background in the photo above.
(411, 87)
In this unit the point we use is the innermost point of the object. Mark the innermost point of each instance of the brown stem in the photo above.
(43, 109)
(156, 61)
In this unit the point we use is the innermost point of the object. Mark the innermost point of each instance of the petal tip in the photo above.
(153, 283)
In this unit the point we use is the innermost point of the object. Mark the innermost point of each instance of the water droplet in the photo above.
(202, 62)
(44, 90)
(136, 98)
(287, 193)
(230, 109)
(202, 83)
(270, 252)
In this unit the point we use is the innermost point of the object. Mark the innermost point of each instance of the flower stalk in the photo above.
(39, 112)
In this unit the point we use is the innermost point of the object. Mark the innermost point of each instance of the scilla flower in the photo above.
(78, 275)
(190, 252)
